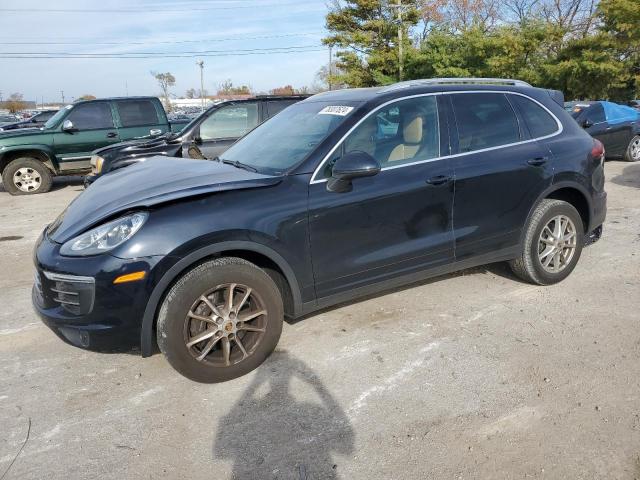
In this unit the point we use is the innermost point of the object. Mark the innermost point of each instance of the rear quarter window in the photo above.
(539, 121)
(484, 120)
(135, 113)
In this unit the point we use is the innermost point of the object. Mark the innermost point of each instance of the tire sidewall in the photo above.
(181, 298)
(544, 277)
(628, 156)
(29, 162)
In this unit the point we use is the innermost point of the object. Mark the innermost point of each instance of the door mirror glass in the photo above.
(67, 126)
(352, 165)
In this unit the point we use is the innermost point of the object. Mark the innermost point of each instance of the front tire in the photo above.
(553, 243)
(632, 154)
(26, 176)
(220, 320)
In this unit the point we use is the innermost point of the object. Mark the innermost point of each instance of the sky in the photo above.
(224, 29)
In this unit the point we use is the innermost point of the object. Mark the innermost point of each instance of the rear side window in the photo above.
(135, 113)
(276, 106)
(91, 116)
(232, 121)
(484, 120)
(595, 114)
(539, 121)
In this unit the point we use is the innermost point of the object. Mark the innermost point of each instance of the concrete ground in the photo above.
(472, 375)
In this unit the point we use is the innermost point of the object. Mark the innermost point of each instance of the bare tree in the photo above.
(15, 103)
(165, 81)
(191, 93)
(576, 17)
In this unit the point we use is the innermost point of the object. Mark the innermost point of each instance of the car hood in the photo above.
(147, 184)
(27, 133)
(139, 144)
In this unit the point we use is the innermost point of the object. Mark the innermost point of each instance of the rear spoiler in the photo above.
(557, 96)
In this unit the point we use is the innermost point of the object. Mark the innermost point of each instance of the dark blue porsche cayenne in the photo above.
(344, 194)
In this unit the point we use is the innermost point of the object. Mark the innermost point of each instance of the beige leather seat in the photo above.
(411, 140)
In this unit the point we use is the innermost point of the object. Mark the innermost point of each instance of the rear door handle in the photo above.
(112, 135)
(538, 161)
(439, 180)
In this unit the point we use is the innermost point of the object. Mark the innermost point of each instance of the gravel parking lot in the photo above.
(471, 375)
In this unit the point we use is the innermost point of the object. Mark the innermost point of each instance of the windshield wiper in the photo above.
(238, 164)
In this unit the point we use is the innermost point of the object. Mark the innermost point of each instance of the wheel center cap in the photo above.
(228, 327)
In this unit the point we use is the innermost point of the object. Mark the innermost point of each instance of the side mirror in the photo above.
(353, 165)
(67, 126)
(587, 123)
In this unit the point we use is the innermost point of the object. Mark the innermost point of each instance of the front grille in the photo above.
(73, 293)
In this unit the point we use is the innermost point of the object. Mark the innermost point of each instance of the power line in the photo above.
(146, 10)
(168, 42)
(127, 56)
(158, 54)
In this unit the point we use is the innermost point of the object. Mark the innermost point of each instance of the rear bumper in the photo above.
(599, 210)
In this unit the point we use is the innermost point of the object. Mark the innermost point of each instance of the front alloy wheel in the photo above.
(220, 320)
(225, 325)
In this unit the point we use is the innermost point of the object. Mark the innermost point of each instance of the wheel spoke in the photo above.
(207, 348)
(210, 304)
(226, 350)
(557, 227)
(200, 317)
(241, 346)
(249, 328)
(556, 261)
(199, 338)
(252, 315)
(547, 251)
(230, 297)
(244, 299)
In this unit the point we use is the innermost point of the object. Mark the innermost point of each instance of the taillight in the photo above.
(597, 152)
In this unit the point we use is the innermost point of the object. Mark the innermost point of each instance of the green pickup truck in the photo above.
(29, 159)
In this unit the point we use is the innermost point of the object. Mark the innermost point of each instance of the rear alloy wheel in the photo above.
(220, 320)
(26, 176)
(633, 150)
(553, 242)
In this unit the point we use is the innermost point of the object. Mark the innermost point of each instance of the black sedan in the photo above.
(616, 126)
(37, 121)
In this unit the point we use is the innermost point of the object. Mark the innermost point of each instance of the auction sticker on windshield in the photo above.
(335, 110)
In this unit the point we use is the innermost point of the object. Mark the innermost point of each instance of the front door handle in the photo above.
(112, 135)
(538, 161)
(439, 180)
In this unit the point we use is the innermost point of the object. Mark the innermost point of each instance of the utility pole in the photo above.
(400, 59)
(126, 88)
(62, 93)
(330, 66)
(200, 63)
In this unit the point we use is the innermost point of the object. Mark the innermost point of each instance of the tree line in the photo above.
(585, 48)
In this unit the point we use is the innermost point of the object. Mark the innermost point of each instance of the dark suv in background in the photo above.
(37, 121)
(205, 137)
(341, 195)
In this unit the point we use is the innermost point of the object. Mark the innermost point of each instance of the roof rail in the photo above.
(454, 81)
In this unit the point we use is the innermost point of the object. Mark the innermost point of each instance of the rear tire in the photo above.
(632, 154)
(26, 176)
(235, 336)
(553, 242)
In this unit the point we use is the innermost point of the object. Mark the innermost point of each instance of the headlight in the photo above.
(96, 164)
(105, 237)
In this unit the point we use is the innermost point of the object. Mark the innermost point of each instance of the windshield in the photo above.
(286, 139)
(60, 113)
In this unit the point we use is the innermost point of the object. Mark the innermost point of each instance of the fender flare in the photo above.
(51, 162)
(148, 319)
(554, 187)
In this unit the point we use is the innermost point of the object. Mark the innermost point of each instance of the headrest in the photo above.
(412, 131)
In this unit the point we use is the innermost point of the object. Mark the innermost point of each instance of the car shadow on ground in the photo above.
(630, 176)
(500, 269)
(275, 430)
(74, 181)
